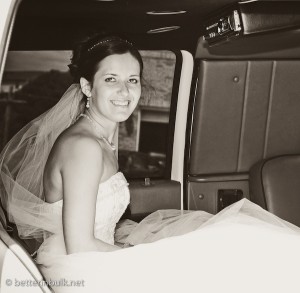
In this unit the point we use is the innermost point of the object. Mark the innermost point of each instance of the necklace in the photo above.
(97, 128)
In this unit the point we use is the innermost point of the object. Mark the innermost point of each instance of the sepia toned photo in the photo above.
(149, 146)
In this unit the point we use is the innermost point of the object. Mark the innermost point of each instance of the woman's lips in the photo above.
(122, 103)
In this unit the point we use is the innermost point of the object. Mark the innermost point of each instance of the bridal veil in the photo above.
(22, 163)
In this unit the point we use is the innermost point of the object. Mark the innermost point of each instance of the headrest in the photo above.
(274, 184)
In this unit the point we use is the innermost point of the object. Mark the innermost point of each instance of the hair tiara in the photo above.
(106, 41)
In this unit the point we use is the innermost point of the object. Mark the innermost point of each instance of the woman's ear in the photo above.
(85, 87)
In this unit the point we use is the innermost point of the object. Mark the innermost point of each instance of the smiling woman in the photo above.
(73, 156)
(81, 158)
(115, 89)
(62, 171)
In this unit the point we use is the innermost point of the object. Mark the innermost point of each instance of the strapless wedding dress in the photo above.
(241, 249)
(112, 199)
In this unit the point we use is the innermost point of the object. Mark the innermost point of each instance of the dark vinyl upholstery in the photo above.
(244, 111)
(275, 185)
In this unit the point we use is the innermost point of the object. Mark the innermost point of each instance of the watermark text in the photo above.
(62, 282)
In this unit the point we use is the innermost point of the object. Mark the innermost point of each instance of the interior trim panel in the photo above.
(257, 105)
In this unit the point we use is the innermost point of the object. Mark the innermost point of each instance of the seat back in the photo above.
(275, 185)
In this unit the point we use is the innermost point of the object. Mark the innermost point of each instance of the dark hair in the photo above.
(88, 53)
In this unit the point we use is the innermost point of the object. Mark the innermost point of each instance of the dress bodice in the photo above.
(112, 199)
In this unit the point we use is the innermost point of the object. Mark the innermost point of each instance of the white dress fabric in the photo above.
(112, 199)
(242, 249)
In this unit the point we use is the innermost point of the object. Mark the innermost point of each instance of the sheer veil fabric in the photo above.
(22, 162)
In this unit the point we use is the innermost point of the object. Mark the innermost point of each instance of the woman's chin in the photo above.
(121, 113)
(121, 117)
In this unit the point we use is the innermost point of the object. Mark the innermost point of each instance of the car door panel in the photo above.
(244, 111)
(152, 196)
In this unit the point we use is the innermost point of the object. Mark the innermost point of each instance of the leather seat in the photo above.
(274, 184)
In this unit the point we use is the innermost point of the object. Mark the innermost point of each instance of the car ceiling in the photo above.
(55, 24)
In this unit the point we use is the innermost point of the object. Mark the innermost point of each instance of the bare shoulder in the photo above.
(75, 146)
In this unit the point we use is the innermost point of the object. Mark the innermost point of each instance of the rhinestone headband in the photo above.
(106, 41)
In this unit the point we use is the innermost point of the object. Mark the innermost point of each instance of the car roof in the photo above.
(55, 24)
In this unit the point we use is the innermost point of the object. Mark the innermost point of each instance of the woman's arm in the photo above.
(81, 170)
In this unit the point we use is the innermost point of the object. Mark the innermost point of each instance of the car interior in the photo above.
(232, 129)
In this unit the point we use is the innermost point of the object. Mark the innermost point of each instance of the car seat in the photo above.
(274, 184)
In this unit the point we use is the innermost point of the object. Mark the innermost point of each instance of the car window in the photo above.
(34, 81)
(143, 137)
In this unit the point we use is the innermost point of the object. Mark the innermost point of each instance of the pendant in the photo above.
(97, 128)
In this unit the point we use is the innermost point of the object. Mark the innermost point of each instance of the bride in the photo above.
(60, 184)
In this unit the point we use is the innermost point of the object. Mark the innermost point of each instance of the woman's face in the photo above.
(116, 87)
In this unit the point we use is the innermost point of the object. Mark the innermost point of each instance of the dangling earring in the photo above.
(88, 96)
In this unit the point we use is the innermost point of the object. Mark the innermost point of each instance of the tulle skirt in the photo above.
(241, 249)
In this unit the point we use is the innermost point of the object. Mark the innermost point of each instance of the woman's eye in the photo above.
(133, 80)
(110, 79)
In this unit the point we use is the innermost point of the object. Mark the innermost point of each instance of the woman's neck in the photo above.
(107, 128)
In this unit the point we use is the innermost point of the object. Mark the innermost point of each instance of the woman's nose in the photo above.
(123, 89)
